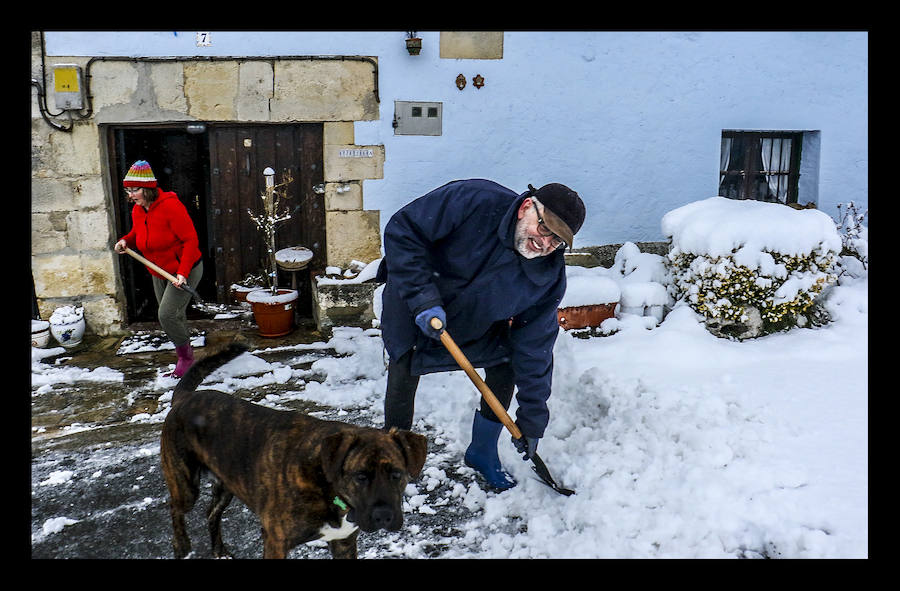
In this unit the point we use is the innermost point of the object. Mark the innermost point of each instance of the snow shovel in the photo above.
(539, 467)
(167, 275)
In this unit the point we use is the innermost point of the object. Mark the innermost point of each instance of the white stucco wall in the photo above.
(631, 120)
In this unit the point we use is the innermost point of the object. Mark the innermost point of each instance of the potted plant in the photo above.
(249, 283)
(413, 43)
(273, 308)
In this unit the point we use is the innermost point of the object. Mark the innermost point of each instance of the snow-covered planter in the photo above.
(749, 267)
(588, 301)
(347, 297)
(273, 312)
(67, 325)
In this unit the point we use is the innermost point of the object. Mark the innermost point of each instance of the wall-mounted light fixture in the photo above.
(413, 43)
(196, 128)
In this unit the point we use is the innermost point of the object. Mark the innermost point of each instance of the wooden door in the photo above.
(238, 156)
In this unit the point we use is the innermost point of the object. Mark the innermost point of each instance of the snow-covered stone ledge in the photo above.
(346, 297)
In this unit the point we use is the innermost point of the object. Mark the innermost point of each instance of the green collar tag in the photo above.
(337, 501)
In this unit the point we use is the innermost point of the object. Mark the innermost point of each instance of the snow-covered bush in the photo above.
(853, 262)
(749, 267)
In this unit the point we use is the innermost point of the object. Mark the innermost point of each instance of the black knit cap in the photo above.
(563, 209)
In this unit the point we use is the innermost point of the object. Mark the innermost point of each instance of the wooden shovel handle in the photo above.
(153, 266)
(489, 397)
(185, 286)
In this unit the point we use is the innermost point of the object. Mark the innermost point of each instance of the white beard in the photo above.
(521, 240)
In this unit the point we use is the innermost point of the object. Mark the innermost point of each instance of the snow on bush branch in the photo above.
(854, 236)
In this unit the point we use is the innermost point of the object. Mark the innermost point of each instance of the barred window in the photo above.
(760, 165)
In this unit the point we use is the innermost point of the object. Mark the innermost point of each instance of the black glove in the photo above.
(527, 446)
(423, 321)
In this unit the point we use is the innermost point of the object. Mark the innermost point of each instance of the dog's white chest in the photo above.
(328, 533)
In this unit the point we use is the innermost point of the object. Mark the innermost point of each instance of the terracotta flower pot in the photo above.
(239, 292)
(584, 316)
(274, 314)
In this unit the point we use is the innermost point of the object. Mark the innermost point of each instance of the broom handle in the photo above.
(489, 397)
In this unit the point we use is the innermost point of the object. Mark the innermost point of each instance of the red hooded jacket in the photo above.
(165, 235)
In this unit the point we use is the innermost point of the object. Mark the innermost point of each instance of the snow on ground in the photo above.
(678, 444)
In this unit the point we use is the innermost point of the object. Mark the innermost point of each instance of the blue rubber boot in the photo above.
(482, 453)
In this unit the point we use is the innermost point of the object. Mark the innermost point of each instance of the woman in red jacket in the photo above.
(163, 232)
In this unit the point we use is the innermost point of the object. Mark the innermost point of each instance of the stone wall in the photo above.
(72, 192)
(605, 255)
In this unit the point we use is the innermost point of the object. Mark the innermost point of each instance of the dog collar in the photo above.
(337, 501)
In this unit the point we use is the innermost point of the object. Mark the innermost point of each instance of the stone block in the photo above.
(89, 230)
(168, 86)
(71, 275)
(343, 196)
(349, 162)
(324, 90)
(352, 236)
(343, 304)
(103, 316)
(256, 90)
(57, 275)
(211, 89)
(113, 83)
(483, 45)
(88, 192)
(48, 233)
(51, 194)
(337, 132)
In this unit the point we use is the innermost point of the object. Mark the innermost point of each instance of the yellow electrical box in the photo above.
(67, 87)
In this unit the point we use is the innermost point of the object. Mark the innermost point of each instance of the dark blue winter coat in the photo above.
(455, 247)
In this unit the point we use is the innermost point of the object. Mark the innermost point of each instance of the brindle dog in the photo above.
(305, 478)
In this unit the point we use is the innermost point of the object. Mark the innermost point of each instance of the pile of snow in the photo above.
(637, 281)
(718, 227)
(294, 256)
(357, 272)
(67, 315)
(265, 296)
(45, 376)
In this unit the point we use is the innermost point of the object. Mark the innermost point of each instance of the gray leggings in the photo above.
(173, 303)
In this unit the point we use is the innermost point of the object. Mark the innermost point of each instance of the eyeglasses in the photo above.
(543, 230)
(132, 190)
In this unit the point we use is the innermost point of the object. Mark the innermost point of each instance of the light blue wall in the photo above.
(631, 120)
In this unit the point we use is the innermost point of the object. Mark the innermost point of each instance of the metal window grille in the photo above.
(764, 166)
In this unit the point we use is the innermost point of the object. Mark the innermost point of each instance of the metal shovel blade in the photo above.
(541, 470)
(539, 467)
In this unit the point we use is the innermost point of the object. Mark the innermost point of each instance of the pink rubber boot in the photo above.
(185, 360)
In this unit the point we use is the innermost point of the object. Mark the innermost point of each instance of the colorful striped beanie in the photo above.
(140, 175)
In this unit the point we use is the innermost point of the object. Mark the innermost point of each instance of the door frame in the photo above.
(137, 288)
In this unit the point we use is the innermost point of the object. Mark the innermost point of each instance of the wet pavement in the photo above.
(97, 489)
